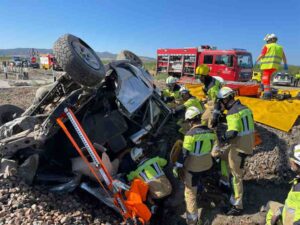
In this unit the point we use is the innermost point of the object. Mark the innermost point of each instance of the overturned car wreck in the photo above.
(117, 105)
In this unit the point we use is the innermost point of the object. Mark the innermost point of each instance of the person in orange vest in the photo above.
(270, 59)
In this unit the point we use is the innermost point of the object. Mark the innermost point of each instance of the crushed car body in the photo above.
(117, 105)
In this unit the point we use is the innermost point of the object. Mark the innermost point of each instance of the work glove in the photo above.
(285, 66)
(175, 171)
(178, 170)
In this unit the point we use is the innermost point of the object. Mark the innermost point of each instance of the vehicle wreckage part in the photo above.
(133, 92)
(113, 186)
(9, 112)
(79, 60)
(9, 146)
(27, 169)
(67, 187)
(42, 92)
(111, 127)
(128, 55)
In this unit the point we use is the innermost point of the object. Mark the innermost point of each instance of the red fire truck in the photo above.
(231, 65)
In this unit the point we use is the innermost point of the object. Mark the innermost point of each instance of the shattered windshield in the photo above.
(132, 92)
(244, 61)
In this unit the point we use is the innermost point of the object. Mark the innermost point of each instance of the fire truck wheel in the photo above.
(79, 60)
(128, 55)
(9, 112)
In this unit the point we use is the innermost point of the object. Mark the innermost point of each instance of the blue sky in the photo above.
(142, 26)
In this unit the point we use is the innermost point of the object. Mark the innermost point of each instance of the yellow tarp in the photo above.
(196, 90)
(278, 114)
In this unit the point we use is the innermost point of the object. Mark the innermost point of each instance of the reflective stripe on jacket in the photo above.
(194, 102)
(273, 57)
(199, 141)
(197, 145)
(149, 169)
(240, 118)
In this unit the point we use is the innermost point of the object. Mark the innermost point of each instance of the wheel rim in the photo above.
(86, 54)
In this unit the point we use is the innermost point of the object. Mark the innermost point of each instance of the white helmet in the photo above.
(192, 112)
(271, 36)
(171, 80)
(184, 90)
(136, 153)
(220, 79)
(266, 38)
(225, 92)
(294, 154)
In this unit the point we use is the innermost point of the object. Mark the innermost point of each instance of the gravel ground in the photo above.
(20, 96)
(21, 204)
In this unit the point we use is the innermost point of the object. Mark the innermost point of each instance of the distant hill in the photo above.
(25, 52)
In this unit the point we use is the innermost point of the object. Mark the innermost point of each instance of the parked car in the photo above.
(16, 61)
(284, 79)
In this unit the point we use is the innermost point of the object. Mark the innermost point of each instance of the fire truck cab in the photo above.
(231, 65)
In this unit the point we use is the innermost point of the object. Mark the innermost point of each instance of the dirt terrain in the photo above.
(266, 178)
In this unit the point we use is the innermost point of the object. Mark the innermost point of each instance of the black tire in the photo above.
(85, 69)
(128, 55)
(9, 112)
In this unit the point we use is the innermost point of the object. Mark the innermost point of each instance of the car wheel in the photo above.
(128, 55)
(9, 112)
(79, 60)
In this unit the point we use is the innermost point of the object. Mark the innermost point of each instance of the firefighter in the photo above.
(289, 213)
(210, 89)
(194, 160)
(239, 138)
(171, 93)
(188, 100)
(151, 172)
(211, 85)
(270, 59)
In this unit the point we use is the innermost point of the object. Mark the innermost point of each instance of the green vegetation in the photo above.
(161, 76)
(5, 58)
(150, 65)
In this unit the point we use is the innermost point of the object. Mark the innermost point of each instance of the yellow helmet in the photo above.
(202, 70)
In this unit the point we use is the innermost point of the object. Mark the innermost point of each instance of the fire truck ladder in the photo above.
(114, 187)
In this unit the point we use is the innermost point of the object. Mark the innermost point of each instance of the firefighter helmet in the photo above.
(192, 112)
(202, 70)
(184, 90)
(136, 153)
(225, 92)
(171, 80)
